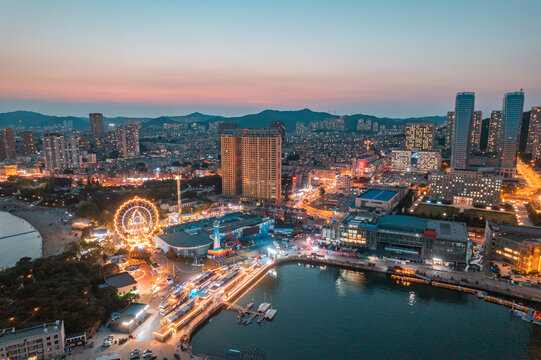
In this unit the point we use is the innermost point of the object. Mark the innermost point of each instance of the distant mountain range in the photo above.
(28, 119)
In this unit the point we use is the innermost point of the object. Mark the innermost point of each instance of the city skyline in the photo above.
(387, 59)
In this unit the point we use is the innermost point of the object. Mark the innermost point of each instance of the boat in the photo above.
(481, 294)
(270, 313)
(263, 307)
(273, 273)
(528, 316)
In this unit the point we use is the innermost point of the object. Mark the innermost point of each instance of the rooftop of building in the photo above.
(446, 230)
(130, 312)
(518, 233)
(402, 223)
(381, 195)
(120, 280)
(11, 334)
(187, 238)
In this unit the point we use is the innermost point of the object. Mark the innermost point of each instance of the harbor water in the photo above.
(331, 313)
(17, 239)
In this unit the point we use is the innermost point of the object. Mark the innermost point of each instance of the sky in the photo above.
(151, 58)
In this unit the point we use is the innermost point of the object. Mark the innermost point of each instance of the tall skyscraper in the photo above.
(27, 139)
(7, 144)
(513, 104)
(96, 124)
(460, 148)
(476, 130)
(60, 152)
(231, 162)
(262, 164)
(534, 129)
(127, 140)
(494, 131)
(449, 128)
(252, 163)
(420, 136)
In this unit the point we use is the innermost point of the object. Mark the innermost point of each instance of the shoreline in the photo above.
(193, 329)
(54, 233)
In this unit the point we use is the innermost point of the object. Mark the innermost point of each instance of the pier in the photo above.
(246, 311)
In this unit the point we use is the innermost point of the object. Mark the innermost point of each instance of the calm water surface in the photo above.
(17, 239)
(342, 314)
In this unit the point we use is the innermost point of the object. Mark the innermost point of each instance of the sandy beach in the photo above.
(48, 221)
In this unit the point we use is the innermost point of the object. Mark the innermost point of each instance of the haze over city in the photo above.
(384, 58)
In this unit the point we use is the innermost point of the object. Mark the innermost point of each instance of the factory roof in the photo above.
(381, 195)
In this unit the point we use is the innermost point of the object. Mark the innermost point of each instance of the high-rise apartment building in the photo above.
(476, 130)
(534, 130)
(449, 129)
(513, 104)
(494, 131)
(7, 144)
(420, 136)
(29, 145)
(460, 148)
(254, 156)
(96, 124)
(261, 164)
(60, 152)
(231, 162)
(127, 140)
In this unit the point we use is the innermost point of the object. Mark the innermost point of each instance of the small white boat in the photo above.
(270, 313)
(263, 307)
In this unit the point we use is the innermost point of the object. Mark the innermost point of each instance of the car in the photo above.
(106, 343)
(136, 350)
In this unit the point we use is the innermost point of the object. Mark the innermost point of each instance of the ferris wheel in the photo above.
(136, 220)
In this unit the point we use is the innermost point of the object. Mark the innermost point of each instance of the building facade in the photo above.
(494, 131)
(420, 161)
(127, 140)
(96, 124)
(449, 129)
(408, 237)
(252, 164)
(464, 112)
(231, 163)
(518, 245)
(476, 130)
(39, 342)
(7, 145)
(420, 136)
(513, 104)
(60, 152)
(466, 188)
(28, 143)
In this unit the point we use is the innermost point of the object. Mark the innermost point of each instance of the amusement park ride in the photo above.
(136, 221)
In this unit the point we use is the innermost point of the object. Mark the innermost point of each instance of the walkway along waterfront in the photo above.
(450, 280)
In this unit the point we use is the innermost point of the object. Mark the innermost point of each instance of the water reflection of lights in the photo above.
(340, 287)
(411, 299)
